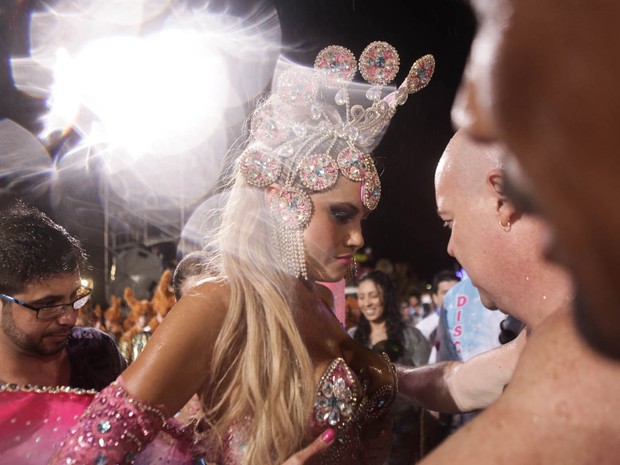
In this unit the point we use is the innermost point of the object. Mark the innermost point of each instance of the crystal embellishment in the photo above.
(421, 73)
(379, 63)
(336, 64)
(297, 87)
(259, 168)
(104, 426)
(354, 164)
(337, 395)
(265, 127)
(293, 208)
(371, 191)
(318, 172)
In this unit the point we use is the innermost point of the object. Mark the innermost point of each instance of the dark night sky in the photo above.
(405, 227)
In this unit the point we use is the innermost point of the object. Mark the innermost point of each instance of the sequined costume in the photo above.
(36, 421)
(118, 429)
(343, 402)
(33, 420)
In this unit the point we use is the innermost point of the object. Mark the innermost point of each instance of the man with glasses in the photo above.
(40, 296)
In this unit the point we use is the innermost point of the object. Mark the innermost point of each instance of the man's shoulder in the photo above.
(95, 358)
(89, 335)
(428, 324)
(413, 333)
(558, 381)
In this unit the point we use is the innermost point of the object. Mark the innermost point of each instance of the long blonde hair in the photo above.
(262, 375)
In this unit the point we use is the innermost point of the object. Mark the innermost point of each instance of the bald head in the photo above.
(499, 246)
(467, 163)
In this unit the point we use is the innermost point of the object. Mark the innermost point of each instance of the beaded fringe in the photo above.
(292, 251)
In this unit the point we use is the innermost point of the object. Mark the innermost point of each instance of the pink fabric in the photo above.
(33, 425)
(338, 290)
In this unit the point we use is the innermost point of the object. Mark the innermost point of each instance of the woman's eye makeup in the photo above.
(342, 215)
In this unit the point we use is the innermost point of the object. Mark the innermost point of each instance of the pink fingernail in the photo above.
(329, 435)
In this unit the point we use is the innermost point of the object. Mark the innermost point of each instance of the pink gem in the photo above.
(336, 64)
(353, 164)
(318, 172)
(259, 168)
(292, 209)
(379, 63)
(421, 73)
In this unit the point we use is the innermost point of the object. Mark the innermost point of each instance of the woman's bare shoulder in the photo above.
(177, 358)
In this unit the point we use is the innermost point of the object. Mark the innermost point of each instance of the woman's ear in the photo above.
(506, 210)
(271, 191)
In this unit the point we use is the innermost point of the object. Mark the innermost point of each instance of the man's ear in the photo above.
(506, 210)
(271, 191)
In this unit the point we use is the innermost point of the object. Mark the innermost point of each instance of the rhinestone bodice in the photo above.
(343, 401)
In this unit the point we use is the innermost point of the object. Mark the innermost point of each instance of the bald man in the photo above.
(500, 248)
(560, 405)
(549, 91)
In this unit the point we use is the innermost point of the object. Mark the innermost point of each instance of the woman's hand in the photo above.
(317, 446)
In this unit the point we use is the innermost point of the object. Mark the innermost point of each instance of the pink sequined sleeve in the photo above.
(113, 430)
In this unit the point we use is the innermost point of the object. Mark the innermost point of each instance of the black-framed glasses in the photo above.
(51, 312)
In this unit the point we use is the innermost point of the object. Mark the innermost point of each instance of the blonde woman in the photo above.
(260, 345)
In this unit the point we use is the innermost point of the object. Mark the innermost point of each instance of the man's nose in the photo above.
(69, 317)
(450, 248)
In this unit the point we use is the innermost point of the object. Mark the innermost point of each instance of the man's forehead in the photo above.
(54, 285)
(445, 190)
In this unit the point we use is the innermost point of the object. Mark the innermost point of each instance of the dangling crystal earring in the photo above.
(292, 210)
(291, 247)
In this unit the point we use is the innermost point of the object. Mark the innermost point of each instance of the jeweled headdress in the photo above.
(308, 132)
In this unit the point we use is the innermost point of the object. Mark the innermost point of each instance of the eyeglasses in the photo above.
(51, 312)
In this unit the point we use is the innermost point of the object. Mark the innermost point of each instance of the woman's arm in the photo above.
(176, 360)
(126, 416)
(457, 387)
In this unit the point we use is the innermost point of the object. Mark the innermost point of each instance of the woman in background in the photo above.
(382, 329)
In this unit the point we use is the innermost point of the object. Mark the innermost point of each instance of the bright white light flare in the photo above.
(156, 91)
(151, 95)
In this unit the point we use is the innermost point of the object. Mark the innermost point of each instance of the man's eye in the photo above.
(57, 306)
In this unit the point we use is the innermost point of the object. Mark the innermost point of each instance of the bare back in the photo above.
(560, 407)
